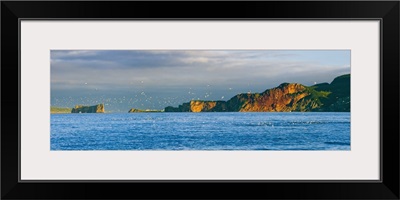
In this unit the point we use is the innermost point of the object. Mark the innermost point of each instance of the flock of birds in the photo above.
(138, 99)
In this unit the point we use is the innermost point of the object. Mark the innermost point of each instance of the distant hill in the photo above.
(287, 97)
(339, 98)
(55, 110)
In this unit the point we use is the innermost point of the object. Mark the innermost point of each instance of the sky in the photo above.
(155, 79)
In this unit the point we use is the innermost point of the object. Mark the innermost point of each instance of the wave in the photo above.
(289, 123)
(255, 124)
(338, 143)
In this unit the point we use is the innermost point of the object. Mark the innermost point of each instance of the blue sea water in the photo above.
(201, 131)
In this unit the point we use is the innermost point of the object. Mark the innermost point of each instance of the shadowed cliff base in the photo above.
(287, 97)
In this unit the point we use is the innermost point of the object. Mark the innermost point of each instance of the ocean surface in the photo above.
(201, 131)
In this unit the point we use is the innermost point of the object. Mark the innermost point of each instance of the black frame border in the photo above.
(189, 181)
(386, 11)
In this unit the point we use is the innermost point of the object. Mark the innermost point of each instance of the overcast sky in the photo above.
(148, 79)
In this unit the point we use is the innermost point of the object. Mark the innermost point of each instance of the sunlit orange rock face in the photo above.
(283, 98)
(199, 106)
(207, 106)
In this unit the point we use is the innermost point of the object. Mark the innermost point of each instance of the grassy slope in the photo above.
(59, 110)
(339, 97)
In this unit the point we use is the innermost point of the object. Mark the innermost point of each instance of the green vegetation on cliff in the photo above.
(287, 97)
(339, 99)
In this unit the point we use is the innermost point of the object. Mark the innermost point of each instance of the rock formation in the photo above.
(88, 109)
(287, 97)
(200, 106)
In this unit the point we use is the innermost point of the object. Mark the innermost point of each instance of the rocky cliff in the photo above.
(88, 109)
(200, 106)
(287, 97)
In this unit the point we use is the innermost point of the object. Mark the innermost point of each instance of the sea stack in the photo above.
(88, 109)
